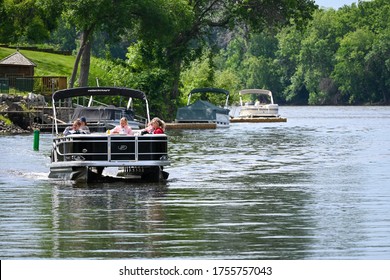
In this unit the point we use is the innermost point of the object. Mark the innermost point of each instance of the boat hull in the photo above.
(270, 110)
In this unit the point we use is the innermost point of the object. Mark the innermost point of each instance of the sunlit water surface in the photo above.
(316, 187)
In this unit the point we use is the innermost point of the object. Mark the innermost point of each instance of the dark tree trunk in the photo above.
(85, 65)
(175, 70)
(83, 42)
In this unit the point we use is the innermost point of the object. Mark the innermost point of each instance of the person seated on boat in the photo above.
(73, 129)
(123, 128)
(156, 126)
(84, 127)
(257, 103)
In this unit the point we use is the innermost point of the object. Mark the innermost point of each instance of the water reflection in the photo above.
(152, 221)
(232, 198)
(96, 221)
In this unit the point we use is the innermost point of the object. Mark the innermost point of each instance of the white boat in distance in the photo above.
(83, 157)
(263, 107)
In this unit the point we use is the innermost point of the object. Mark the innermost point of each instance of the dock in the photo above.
(49, 127)
(258, 120)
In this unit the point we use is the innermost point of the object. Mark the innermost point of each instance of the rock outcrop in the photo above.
(15, 109)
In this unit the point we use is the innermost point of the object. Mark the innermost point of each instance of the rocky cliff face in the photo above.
(14, 112)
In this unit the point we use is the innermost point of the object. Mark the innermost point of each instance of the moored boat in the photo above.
(204, 112)
(262, 106)
(84, 157)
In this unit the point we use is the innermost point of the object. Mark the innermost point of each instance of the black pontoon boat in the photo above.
(84, 157)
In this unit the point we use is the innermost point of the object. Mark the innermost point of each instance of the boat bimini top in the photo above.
(208, 90)
(98, 91)
(256, 91)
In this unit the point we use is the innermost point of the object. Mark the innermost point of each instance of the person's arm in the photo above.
(66, 131)
(115, 130)
(85, 130)
(129, 131)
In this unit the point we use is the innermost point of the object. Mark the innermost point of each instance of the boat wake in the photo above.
(14, 175)
(37, 176)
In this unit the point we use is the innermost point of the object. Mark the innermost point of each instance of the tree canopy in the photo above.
(304, 54)
(340, 57)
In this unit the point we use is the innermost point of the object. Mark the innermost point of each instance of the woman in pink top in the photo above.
(123, 128)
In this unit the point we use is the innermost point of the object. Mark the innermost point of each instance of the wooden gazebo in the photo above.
(15, 66)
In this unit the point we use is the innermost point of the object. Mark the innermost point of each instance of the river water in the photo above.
(316, 187)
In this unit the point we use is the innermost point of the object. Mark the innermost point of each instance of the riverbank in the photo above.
(15, 113)
(6, 129)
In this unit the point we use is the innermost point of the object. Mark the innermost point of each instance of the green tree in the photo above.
(251, 58)
(90, 16)
(197, 75)
(317, 53)
(378, 63)
(290, 70)
(205, 20)
(307, 58)
(260, 68)
(334, 58)
(28, 21)
(63, 37)
(351, 73)
(6, 24)
(147, 18)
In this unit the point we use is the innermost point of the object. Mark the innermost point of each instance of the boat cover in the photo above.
(200, 110)
(102, 113)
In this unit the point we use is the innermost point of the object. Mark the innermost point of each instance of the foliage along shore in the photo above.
(340, 57)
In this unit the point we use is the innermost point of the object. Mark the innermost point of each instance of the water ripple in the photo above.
(315, 187)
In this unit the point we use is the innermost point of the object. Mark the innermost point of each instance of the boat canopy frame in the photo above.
(209, 90)
(98, 91)
(255, 91)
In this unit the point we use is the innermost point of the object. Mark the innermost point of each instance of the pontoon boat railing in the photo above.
(64, 147)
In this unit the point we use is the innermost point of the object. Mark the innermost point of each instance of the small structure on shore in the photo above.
(17, 71)
(15, 66)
